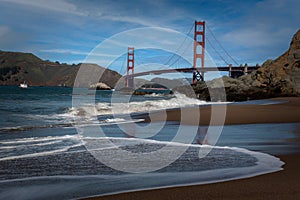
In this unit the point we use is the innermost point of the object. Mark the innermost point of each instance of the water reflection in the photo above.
(282, 138)
(202, 135)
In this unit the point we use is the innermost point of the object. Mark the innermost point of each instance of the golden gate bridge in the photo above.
(198, 69)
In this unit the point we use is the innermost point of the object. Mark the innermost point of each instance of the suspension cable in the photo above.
(176, 52)
(222, 58)
(221, 45)
(179, 57)
(123, 65)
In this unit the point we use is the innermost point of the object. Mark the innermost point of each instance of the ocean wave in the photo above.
(43, 153)
(33, 127)
(222, 164)
(119, 108)
(37, 146)
(69, 123)
(103, 113)
(25, 141)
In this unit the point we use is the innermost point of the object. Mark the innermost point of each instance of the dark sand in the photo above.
(280, 185)
(287, 112)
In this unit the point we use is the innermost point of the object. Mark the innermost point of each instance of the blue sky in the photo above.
(67, 31)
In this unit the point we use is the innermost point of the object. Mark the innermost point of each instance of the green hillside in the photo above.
(16, 67)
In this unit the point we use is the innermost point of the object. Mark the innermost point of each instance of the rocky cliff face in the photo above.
(280, 77)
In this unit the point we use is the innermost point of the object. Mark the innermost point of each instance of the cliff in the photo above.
(276, 78)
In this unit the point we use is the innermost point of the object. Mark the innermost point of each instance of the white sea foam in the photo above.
(37, 146)
(31, 145)
(43, 153)
(66, 187)
(38, 139)
(98, 109)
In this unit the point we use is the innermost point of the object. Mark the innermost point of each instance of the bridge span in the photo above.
(234, 71)
(198, 69)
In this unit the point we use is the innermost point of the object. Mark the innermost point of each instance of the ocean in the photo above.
(56, 143)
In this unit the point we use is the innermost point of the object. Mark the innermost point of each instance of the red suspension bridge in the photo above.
(198, 69)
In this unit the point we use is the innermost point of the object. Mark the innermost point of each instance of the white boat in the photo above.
(23, 85)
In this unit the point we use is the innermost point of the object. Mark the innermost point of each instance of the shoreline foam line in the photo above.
(265, 164)
(45, 153)
(38, 139)
(276, 166)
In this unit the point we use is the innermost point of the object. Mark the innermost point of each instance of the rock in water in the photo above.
(100, 86)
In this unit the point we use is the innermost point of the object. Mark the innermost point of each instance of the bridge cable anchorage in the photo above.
(221, 45)
(222, 58)
(180, 46)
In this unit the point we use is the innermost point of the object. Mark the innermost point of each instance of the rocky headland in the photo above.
(276, 78)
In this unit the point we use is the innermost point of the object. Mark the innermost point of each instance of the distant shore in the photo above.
(280, 185)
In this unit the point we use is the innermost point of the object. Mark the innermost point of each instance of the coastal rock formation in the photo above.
(276, 78)
(100, 86)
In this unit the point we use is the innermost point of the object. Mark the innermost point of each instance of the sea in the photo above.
(61, 143)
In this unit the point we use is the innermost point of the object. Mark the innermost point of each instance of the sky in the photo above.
(69, 31)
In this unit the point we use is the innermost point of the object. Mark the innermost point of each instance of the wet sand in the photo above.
(283, 185)
(286, 112)
(280, 185)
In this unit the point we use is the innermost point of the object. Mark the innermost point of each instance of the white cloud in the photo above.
(262, 31)
(64, 51)
(81, 24)
(249, 38)
(69, 51)
(129, 19)
(53, 5)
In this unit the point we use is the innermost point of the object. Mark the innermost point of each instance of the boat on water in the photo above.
(23, 85)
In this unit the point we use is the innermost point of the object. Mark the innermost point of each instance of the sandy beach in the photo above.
(281, 185)
(284, 184)
(285, 112)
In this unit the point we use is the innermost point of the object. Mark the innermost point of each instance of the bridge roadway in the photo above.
(190, 70)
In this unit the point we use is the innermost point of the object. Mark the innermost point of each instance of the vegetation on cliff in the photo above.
(16, 67)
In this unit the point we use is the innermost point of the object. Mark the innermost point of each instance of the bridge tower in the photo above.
(199, 40)
(130, 68)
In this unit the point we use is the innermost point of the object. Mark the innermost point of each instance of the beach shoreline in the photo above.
(231, 114)
(283, 184)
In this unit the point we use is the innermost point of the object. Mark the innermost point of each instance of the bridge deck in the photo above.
(190, 70)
